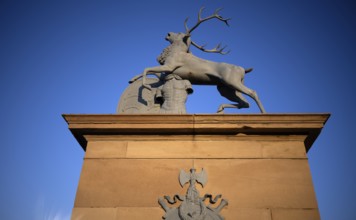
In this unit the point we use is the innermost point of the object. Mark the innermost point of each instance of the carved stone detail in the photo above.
(168, 95)
(173, 94)
(137, 100)
(192, 206)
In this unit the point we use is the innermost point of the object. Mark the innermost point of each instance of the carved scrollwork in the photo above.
(192, 207)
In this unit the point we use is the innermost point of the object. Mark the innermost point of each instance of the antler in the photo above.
(218, 48)
(200, 20)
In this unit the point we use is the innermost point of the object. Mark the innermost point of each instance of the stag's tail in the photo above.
(248, 70)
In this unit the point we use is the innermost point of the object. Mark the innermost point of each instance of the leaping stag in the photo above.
(177, 59)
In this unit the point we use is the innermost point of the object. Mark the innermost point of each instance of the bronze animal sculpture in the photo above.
(177, 59)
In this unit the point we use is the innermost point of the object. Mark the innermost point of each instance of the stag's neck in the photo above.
(179, 46)
(175, 47)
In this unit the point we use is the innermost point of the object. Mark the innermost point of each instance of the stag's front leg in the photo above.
(156, 69)
(135, 78)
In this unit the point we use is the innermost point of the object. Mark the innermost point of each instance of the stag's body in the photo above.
(176, 59)
(184, 64)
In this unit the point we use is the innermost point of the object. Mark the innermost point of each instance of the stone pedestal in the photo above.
(257, 162)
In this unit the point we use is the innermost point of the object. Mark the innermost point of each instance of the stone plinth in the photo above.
(256, 161)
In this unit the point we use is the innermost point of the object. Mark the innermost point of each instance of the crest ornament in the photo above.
(192, 206)
(137, 99)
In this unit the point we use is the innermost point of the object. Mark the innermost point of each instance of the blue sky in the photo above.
(77, 57)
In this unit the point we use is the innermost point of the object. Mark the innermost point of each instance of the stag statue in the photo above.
(177, 59)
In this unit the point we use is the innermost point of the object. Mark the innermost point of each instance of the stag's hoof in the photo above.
(220, 110)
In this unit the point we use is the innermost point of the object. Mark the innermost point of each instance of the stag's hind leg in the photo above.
(234, 79)
(245, 90)
(232, 95)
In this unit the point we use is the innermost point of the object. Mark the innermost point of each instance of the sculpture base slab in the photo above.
(258, 162)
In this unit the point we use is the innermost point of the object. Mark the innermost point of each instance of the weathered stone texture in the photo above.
(246, 214)
(92, 213)
(128, 183)
(261, 183)
(295, 214)
(197, 149)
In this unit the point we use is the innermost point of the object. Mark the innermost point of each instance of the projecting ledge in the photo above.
(197, 124)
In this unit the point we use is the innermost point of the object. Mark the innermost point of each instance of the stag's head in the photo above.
(177, 37)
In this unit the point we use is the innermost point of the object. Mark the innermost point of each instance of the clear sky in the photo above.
(77, 57)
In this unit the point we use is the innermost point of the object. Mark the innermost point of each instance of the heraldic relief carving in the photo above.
(178, 60)
(192, 206)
